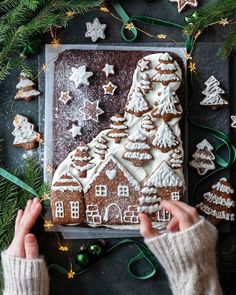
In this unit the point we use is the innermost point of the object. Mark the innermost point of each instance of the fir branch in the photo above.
(229, 44)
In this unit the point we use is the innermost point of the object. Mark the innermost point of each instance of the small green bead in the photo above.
(82, 259)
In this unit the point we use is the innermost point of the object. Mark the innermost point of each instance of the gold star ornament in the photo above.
(161, 36)
(192, 67)
(183, 3)
(224, 22)
(129, 26)
(70, 274)
(48, 224)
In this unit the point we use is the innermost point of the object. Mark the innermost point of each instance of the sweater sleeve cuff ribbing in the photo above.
(24, 276)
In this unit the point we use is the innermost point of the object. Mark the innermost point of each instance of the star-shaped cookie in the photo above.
(183, 3)
(144, 64)
(65, 97)
(91, 110)
(80, 76)
(75, 130)
(109, 88)
(95, 30)
(108, 70)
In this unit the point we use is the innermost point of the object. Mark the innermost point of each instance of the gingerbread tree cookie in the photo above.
(81, 160)
(149, 201)
(203, 158)
(118, 128)
(146, 83)
(176, 159)
(101, 147)
(25, 135)
(213, 94)
(218, 204)
(26, 88)
(137, 149)
(137, 104)
(166, 105)
(147, 124)
(166, 70)
(164, 138)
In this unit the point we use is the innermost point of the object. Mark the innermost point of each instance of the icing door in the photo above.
(113, 213)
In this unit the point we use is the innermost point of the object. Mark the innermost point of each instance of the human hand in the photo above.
(184, 216)
(24, 244)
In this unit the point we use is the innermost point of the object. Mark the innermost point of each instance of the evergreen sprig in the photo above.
(211, 14)
(23, 20)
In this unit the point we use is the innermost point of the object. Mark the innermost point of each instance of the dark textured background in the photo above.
(110, 276)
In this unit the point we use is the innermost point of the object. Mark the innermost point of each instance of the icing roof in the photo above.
(102, 166)
(67, 180)
(164, 176)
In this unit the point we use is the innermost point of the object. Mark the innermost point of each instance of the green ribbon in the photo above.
(144, 253)
(7, 175)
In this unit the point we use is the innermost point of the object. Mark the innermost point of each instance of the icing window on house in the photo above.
(74, 209)
(59, 209)
(175, 196)
(123, 191)
(101, 191)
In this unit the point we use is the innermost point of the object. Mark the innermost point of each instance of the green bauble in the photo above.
(82, 259)
(95, 249)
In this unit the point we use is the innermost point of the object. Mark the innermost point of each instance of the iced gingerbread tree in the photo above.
(218, 204)
(137, 149)
(118, 127)
(25, 135)
(166, 105)
(101, 147)
(26, 88)
(176, 159)
(146, 83)
(137, 104)
(147, 124)
(203, 158)
(81, 160)
(166, 70)
(164, 138)
(213, 94)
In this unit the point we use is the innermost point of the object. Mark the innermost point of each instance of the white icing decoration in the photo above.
(109, 88)
(203, 158)
(213, 212)
(149, 190)
(131, 215)
(164, 137)
(219, 186)
(24, 130)
(123, 191)
(91, 110)
(164, 176)
(146, 83)
(95, 30)
(118, 119)
(101, 190)
(212, 198)
(105, 218)
(113, 160)
(150, 200)
(176, 159)
(181, 4)
(59, 211)
(144, 64)
(137, 103)
(92, 214)
(213, 93)
(233, 123)
(22, 86)
(108, 70)
(147, 123)
(120, 127)
(111, 174)
(149, 209)
(80, 76)
(74, 209)
(118, 134)
(166, 103)
(70, 180)
(65, 97)
(75, 130)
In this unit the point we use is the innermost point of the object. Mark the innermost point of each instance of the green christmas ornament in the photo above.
(82, 259)
(95, 249)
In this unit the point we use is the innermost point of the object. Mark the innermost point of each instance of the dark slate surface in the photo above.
(110, 276)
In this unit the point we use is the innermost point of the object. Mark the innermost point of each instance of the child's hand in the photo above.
(184, 216)
(24, 244)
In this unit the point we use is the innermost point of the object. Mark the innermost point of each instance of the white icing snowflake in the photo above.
(80, 76)
(75, 130)
(65, 97)
(109, 88)
(95, 30)
(233, 123)
(108, 70)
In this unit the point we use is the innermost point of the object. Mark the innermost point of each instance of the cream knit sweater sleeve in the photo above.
(24, 276)
(189, 260)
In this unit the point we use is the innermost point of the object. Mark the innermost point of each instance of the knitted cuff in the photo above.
(188, 256)
(24, 276)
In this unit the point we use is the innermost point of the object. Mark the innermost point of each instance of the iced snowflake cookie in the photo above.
(95, 30)
(25, 135)
(26, 88)
(218, 204)
(80, 76)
